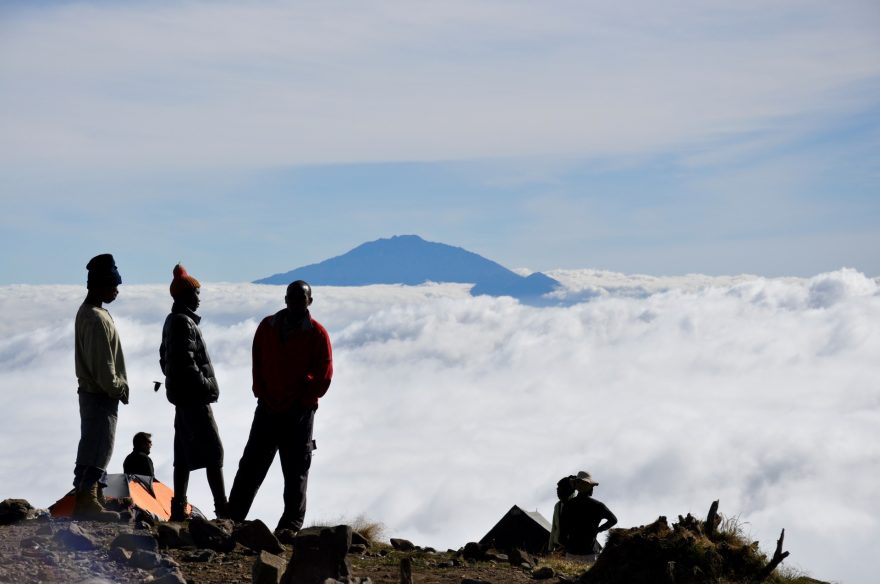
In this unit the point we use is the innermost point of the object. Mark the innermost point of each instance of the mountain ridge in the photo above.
(411, 260)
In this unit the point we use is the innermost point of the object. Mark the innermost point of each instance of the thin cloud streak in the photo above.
(447, 409)
(270, 83)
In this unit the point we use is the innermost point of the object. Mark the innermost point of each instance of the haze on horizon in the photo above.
(248, 138)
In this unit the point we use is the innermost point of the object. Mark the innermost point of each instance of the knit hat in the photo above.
(102, 272)
(182, 281)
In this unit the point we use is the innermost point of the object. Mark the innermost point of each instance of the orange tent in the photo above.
(146, 494)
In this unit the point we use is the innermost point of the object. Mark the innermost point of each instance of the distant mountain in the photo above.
(409, 259)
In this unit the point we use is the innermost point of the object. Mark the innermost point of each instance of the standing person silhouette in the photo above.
(564, 491)
(292, 369)
(102, 383)
(191, 386)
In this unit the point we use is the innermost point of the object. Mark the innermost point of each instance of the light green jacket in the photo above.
(100, 365)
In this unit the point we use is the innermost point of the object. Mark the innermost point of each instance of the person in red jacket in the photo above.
(292, 369)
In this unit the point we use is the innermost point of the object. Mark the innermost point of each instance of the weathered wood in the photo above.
(777, 558)
(406, 571)
(712, 520)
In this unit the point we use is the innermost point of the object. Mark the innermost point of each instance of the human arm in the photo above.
(320, 370)
(609, 520)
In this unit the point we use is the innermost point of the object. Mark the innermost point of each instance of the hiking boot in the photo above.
(221, 509)
(178, 509)
(285, 535)
(89, 508)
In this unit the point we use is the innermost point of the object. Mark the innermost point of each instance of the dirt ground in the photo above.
(30, 553)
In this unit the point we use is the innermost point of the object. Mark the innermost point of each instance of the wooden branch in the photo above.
(712, 520)
(777, 558)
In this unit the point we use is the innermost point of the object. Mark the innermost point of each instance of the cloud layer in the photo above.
(447, 409)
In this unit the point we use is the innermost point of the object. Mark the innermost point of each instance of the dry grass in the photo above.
(372, 531)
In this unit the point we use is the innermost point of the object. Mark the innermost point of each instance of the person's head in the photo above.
(142, 441)
(565, 488)
(298, 297)
(103, 279)
(584, 483)
(184, 288)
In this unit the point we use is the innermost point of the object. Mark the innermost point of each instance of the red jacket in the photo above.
(291, 367)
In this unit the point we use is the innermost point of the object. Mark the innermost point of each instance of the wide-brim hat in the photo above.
(584, 480)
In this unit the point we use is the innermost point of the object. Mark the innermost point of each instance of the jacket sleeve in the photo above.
(190, 383)
(321, 368)
(99, 347)
(259, 381)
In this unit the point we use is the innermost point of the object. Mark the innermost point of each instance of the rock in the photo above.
(474, 581)
(35, 542)
(268, 569)
(121, 555)
(358, 539)
(75, 538)
(256, 536)
(473, 551)
(132, 542)
(170, 577)
(200, 556)
(211, 535)
(170, 535)
(495, 556)
(145, 560)
(402, 545)
(357, 549)
(518, 557)
(543, 573)
(45, 530)
(406, 576)
(319, 553)
(14, 510)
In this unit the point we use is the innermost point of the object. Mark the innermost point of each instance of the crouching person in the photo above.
(192, 387)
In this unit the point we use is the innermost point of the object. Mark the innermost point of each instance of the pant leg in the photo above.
(295, 448)
(98, 415)
(259, 452)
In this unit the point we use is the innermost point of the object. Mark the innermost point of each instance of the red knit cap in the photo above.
(182, 281)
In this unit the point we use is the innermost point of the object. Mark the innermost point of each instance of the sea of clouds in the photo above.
(446, 409)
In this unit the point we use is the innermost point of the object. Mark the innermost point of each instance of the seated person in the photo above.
(583, 517)
(138, 462)
(565, 491)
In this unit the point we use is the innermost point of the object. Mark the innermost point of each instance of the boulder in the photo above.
(14, 510)
(256, 536)
(211, 535)
(319, 553)
(171, 535)
(133, 542)
(357, 549)
(518, 557)
(402, 545)
(169, 577)
(268, 569)
(75, 538)
(358, 539)
(146, 560)
(543, 573)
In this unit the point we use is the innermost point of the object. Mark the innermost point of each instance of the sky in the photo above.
(248, 138)
(446, 409)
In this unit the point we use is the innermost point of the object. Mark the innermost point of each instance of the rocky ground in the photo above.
(37, 548)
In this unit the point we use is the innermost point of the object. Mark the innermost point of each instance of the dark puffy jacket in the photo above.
(189, 375)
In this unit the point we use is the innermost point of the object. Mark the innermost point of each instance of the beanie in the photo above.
(182, 281)
(102, 272)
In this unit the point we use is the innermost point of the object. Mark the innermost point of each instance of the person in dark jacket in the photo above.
(292, 369)
(138, 461)
(191, 386)
(583, 517)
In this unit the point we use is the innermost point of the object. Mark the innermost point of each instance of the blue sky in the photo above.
(249, 138)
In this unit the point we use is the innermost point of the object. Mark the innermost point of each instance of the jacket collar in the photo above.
(178, 308)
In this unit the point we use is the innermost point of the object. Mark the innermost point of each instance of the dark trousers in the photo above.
(97, 422)
(288, 433)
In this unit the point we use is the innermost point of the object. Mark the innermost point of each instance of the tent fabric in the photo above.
(525, 530)
(146, 494)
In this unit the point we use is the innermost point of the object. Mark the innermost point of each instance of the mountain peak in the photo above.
(411, 260)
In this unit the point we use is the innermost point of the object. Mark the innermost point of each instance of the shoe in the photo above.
(87, 506)
(221, 509)
(285, 535)
(179, 510)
